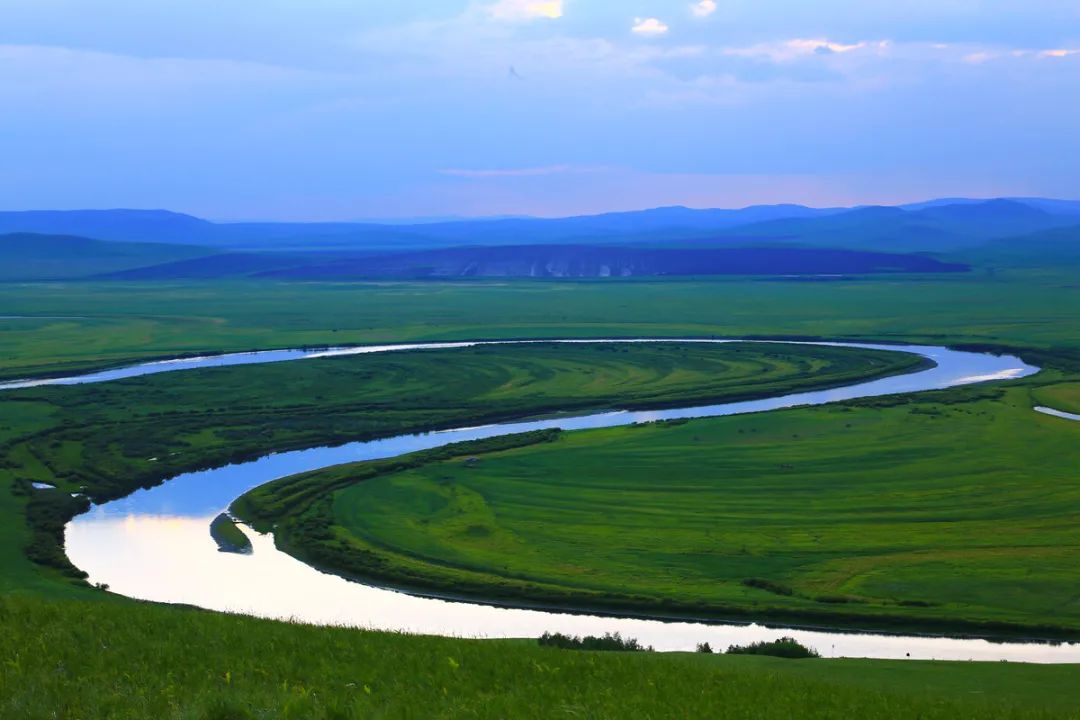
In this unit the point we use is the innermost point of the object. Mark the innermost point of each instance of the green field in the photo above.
(957, 510)
(71, 651)
(94, 324)
(130, 661)
(1060, 396)
(108, 439)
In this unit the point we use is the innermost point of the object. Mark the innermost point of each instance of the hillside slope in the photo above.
(548, 261)
(937, 228)
(28, 256)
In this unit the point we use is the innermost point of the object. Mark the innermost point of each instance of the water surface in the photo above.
(155, 544)
(1057, 413)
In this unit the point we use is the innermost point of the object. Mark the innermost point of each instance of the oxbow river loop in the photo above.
(154, 544)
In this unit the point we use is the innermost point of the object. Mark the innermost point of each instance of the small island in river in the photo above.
(228, 535)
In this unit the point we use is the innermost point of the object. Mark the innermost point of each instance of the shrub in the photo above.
(590, 642)
(785, 647)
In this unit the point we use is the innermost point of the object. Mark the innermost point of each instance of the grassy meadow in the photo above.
(950, 511)
(78, 325)
(129, 661)
(105, 440)
(932, 472)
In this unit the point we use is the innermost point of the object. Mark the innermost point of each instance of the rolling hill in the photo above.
(934, 226)
(1057, 247)
(937, 236)
(27, 256)
(547, 261)
(164, 226)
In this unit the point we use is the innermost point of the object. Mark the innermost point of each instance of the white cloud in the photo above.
(523, 10)
(705, 8)
(978, 58)
(1059, 53)
(799, 47)
(650, 27)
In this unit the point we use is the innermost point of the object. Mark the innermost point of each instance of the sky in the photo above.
(357, 109)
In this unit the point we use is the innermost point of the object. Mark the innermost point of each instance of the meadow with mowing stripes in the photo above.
(949, 511)
(74, 651)
(105, 440)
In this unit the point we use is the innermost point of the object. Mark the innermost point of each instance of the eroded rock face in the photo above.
(595, 261)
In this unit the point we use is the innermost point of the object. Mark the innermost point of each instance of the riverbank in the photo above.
(108, 439)
(950, 372)
(841, 540)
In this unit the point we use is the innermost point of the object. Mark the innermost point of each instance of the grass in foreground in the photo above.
(955, 510)
(125, 661)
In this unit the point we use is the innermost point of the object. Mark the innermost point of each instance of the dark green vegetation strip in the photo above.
(949, 511)
(126, 661)
(108, 439)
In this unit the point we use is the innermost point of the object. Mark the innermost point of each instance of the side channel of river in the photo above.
(155, 544)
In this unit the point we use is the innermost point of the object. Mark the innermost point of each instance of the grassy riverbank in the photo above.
(101, 656)
(78, 325)
(952, 511)
(105, 440)
(129, 661)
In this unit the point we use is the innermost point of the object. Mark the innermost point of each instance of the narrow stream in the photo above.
(155, 544)
(1057, 413)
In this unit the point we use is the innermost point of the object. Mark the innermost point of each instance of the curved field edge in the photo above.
(1059, 396)
(142, 321)
(103, 441)
(128, 660)
(946, 558)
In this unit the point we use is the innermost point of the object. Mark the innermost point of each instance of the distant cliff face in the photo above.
(547, 261)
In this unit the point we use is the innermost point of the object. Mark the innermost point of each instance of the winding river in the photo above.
(155, 544)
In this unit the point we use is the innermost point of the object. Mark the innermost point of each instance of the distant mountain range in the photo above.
(936, 236)
(936, 226)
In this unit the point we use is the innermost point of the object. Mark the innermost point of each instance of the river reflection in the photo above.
(173, 559)
(155, 544)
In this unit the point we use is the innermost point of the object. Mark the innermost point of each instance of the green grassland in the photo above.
(105, 440)
(70, 651)
(1060, 396)
(949, 511)
(65, 659)
(80, 325)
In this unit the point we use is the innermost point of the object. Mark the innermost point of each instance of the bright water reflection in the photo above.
(1057, 413)
(173, 559)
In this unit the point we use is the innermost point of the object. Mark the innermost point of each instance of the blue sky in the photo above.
(336, 109)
